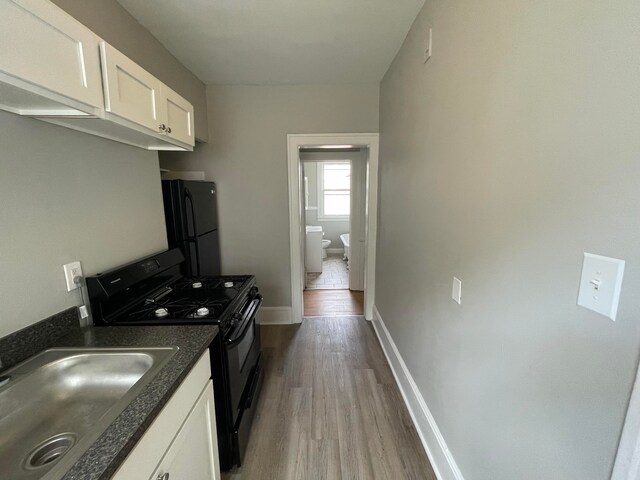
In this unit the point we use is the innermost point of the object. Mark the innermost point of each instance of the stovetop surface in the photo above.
(188, 300)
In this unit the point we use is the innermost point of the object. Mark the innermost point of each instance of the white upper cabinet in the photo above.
(54, 68)
(134, 95)
(49, 62)
(179, 116)
(130, 91)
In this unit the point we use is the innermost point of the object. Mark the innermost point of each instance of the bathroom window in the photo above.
(334, 188)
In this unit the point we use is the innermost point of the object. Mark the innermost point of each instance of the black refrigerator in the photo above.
(191, 215)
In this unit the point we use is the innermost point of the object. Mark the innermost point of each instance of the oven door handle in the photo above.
(194, 239)
(247, 321)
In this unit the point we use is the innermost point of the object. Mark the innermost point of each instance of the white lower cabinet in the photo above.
(182, 442)
(194, 452)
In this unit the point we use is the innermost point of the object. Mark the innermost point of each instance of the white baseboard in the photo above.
(336, 250)
(441, 459)
(275, 315)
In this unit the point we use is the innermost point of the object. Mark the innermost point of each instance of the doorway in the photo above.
(333, 182)
(333, 197)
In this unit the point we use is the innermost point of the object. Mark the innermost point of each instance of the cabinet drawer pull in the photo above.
(162, 127)
(164, 476)
(168, 129)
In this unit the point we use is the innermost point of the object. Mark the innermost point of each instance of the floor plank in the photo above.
(330, 408)
(319, 303)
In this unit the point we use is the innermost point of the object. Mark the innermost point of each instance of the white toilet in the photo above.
(325, 244)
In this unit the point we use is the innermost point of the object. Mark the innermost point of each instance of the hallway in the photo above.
(330, 408)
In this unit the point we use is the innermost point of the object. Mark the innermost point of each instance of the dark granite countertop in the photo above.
(107, 453)
(104, 457)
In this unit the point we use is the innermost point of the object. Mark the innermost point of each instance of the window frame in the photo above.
(320, 192)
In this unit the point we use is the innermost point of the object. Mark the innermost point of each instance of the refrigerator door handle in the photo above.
(194, 239)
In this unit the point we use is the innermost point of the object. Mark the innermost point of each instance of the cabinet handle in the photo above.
(162, 128)
(164, 476)
(168, 129)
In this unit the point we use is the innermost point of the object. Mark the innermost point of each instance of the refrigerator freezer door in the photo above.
(203, 255)
(200, 204)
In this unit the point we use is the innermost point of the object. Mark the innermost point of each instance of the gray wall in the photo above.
(109, 20)
(115, 214)
(67, 196)
(247, 157)
(504, 158)
(333, 228)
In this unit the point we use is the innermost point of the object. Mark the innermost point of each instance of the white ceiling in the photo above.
(267, 42)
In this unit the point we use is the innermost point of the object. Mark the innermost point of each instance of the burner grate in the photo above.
(186, 308)
(228, 284)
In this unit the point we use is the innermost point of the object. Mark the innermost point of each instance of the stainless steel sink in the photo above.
(57, 403)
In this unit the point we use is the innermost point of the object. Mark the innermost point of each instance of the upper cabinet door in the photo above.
(46, 58)
(130, 91)
(178, 113)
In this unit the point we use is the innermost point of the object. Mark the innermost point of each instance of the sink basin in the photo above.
(57, 403)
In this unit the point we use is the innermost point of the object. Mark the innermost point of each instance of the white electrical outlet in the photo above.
(428, 45)
(71, 271)
(456, 290)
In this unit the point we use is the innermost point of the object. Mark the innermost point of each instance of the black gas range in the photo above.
(153, 291)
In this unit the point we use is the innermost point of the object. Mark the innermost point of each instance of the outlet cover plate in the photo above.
(71, 271)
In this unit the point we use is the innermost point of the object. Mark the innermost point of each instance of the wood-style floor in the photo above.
(318, 303)
(330, 408)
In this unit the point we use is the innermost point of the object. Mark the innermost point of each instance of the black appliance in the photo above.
(153, 291)
(191, 216)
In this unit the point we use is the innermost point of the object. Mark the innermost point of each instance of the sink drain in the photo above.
(50, 450)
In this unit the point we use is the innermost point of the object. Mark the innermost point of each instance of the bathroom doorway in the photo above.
(327, 206)
(332, 218)
(332, 182)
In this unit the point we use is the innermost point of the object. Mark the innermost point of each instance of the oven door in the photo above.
(243, 349)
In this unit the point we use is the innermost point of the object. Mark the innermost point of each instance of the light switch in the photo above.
(601, 284)
(456, 290)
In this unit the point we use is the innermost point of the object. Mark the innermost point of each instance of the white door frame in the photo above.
(627, 464)
(357, 223)
(294, 143)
